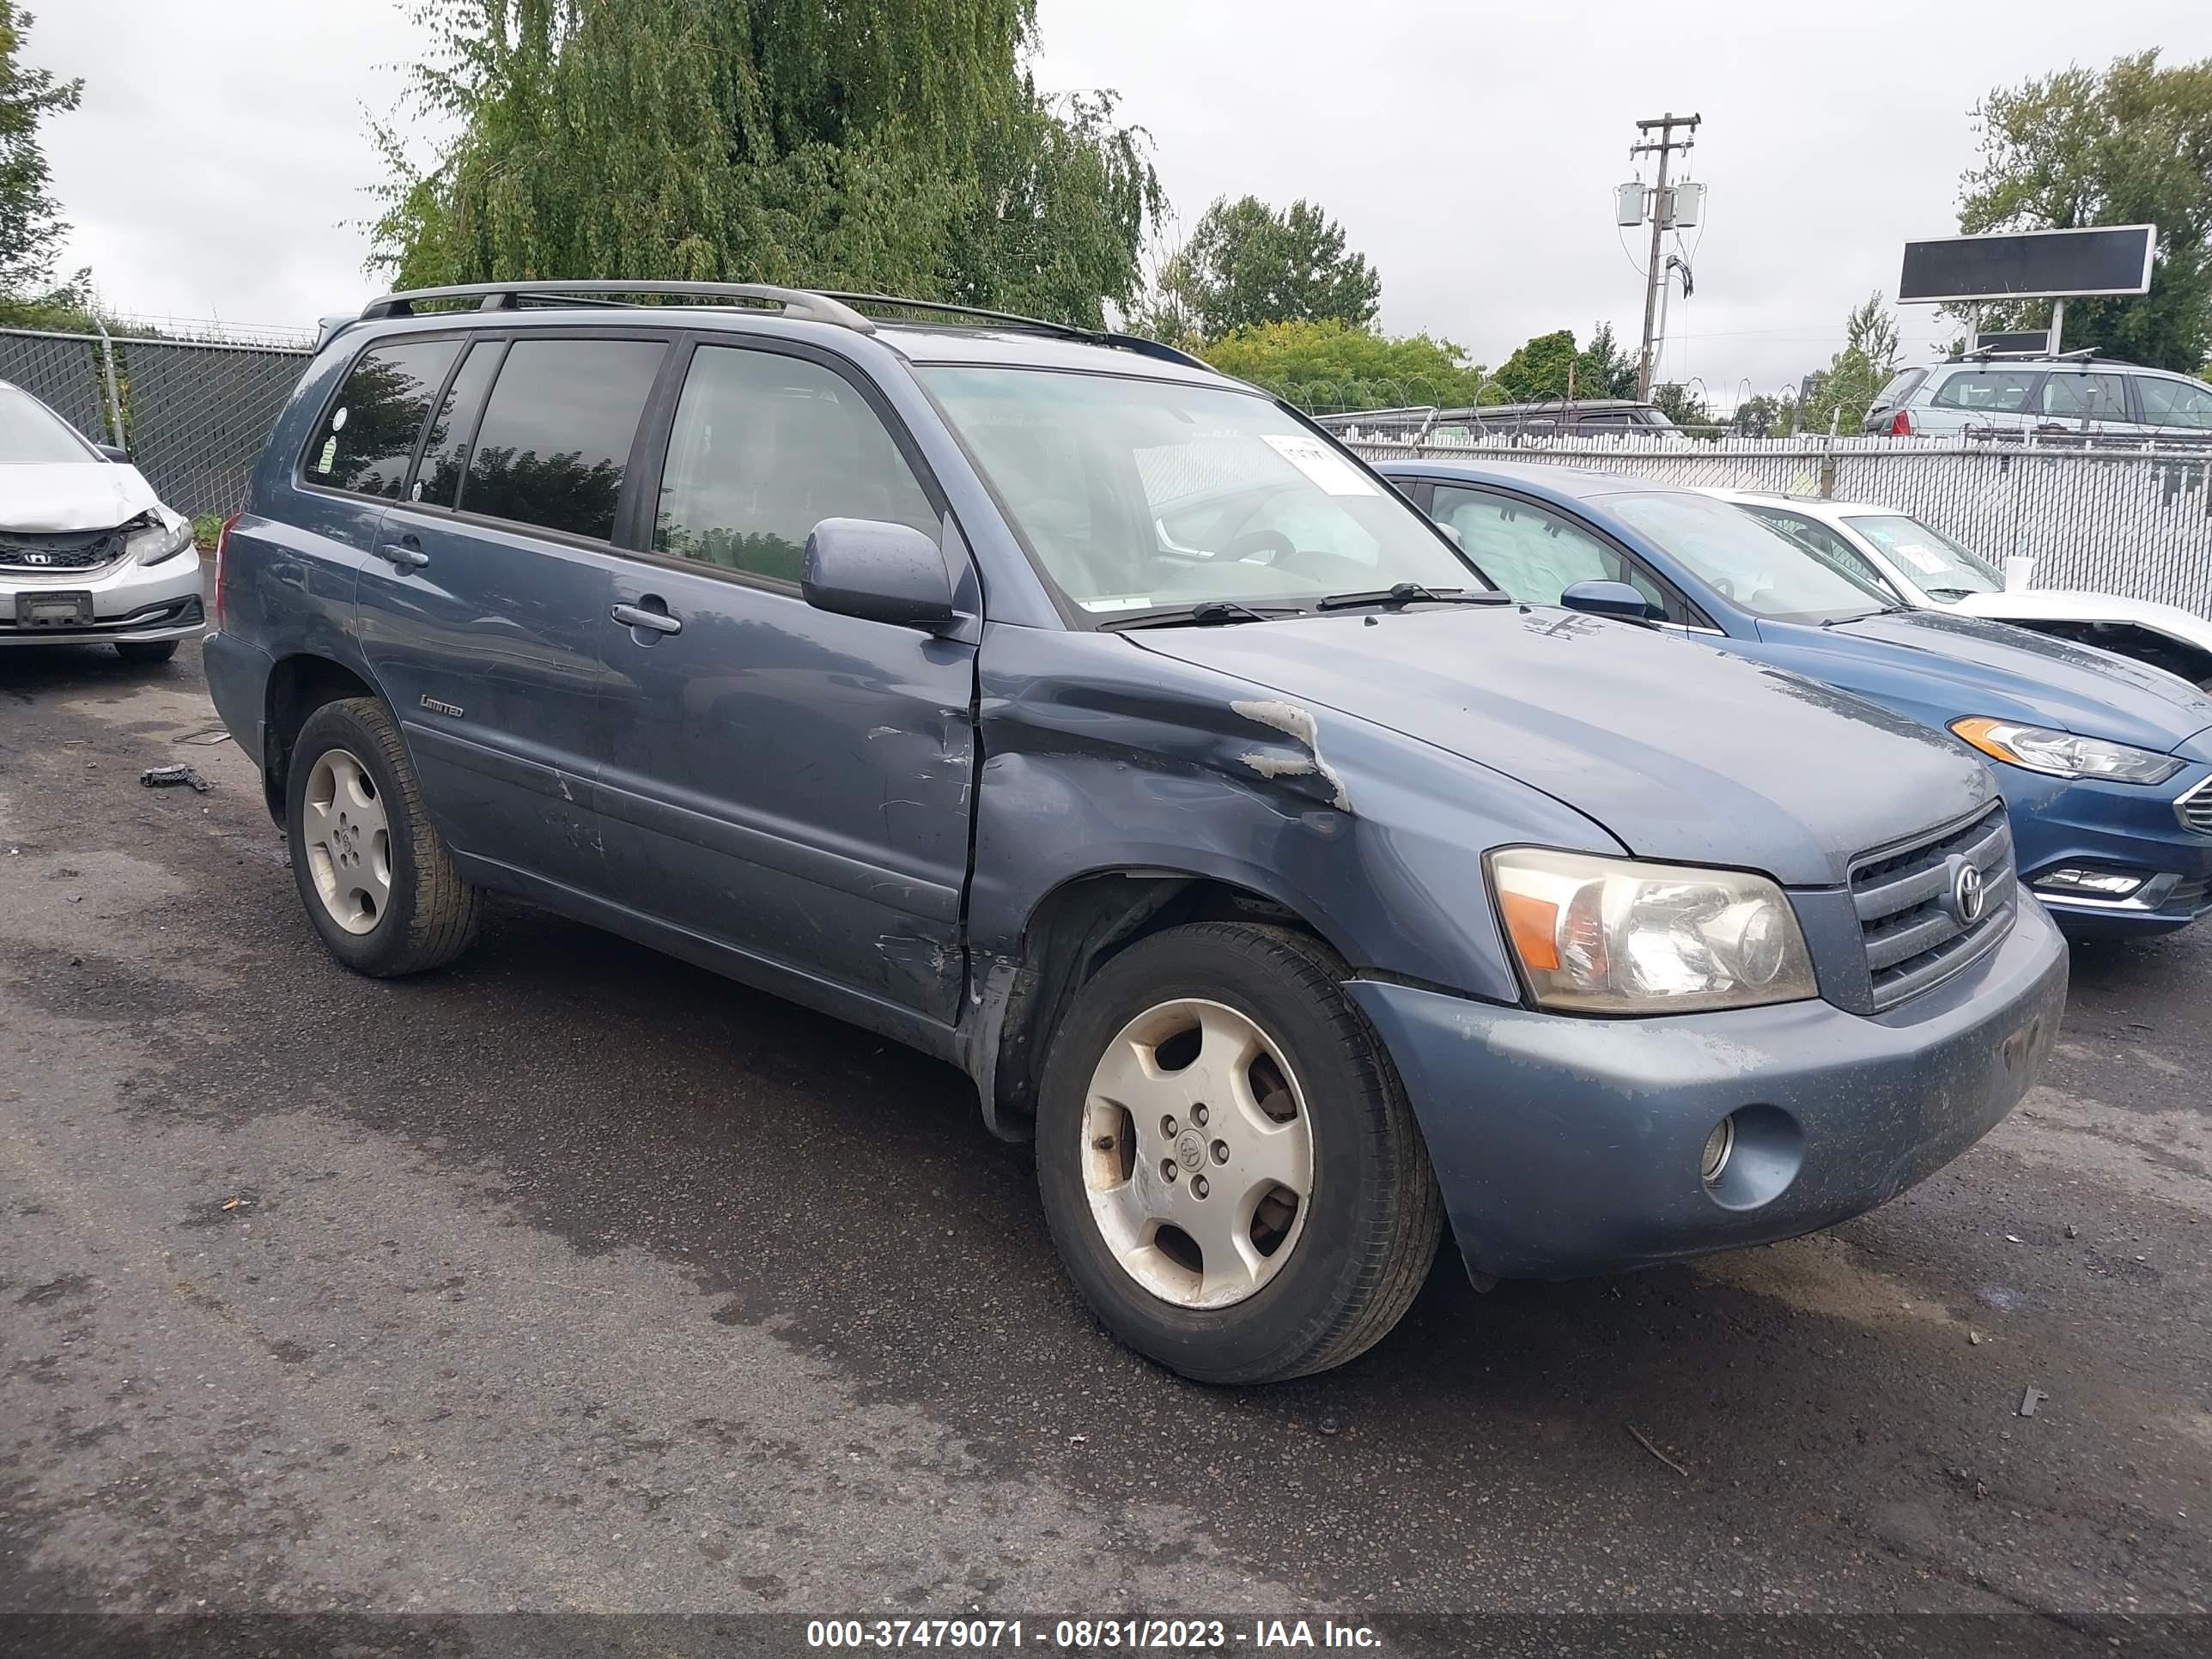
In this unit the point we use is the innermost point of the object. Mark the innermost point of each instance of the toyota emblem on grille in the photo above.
(1967, 897)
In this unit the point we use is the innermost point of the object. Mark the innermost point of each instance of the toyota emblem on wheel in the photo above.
(1967, 896)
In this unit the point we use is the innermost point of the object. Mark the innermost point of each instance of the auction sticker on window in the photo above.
(1929, 564)
(1335, 475)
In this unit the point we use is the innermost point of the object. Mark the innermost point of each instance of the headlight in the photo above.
(1612, 936)
(2063, 755)
(157, 542)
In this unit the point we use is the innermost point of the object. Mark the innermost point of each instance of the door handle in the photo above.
(404, 555)
(636, 616)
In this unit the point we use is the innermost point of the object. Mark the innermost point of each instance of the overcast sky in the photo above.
(218, 165)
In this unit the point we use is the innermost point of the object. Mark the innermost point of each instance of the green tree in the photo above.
(1331, 366)
(1681, 404)
(766, 141)
(1246, 264)
(1538, 370)
(1766, 416)
(1604, 367)
(31, 230)
(1861, 369)
(2132, 145)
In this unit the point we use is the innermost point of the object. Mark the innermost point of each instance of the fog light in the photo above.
(2088, 883)
(1718, 1145)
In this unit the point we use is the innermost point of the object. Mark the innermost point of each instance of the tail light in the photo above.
(1900, 425)
(222, 572)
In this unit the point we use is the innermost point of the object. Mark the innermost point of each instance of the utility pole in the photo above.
(1664, 146)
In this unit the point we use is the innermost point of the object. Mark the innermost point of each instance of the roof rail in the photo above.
(1132, 343)
(603, 291)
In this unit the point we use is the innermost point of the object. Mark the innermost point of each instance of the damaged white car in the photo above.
(89, 555)
(1920, 566)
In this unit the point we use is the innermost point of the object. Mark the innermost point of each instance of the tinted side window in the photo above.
(2072, 395)
(1988, 391)
(367, 440)
(2175, 403)
(555, 439)
(764, 447)
(1902, 386)
(438, 480)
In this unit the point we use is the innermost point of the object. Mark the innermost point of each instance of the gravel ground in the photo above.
(575, 1279)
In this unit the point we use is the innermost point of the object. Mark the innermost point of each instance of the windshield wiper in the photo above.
(1879, 610)
(1949, 593)
(1210, 613)
(1401, 594)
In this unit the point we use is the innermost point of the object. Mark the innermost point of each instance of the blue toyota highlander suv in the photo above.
(1047, 701)
(2106, 763)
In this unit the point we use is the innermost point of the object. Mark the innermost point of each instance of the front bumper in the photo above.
(1567, 1146)
(131, 602)
(2057, 823)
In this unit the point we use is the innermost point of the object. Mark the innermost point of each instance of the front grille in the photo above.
(1906, 909)
(2195, 809)
(40, 553)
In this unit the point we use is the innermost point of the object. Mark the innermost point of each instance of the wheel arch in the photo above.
(298, 685)
(1071, 931)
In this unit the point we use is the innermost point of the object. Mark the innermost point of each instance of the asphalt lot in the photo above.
(576, 1279)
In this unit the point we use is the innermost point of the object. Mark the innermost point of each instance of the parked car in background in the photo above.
(1048, 701)
(1917, 564)
(1553, 417)
(2105, 764)
(88, 555)
(2051, 396)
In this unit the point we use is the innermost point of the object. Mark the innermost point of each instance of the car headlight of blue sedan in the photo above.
(2063, 754)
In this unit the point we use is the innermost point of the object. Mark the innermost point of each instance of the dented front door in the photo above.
(792, 785)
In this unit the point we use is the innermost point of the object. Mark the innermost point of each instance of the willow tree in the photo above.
(895, 145)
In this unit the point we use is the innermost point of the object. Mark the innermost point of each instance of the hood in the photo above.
(2069, 605)
(1968, 666)
(1679, 750)
(58, 495)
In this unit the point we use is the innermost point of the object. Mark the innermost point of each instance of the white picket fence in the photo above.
(2135, 521)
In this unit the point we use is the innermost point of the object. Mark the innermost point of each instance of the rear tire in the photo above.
(376, 880)
(1198, 1274)
(145, 651)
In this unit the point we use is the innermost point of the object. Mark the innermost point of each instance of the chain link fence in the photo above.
(193, 413)
(2135, 521)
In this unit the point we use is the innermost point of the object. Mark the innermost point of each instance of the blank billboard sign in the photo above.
(2036, 265)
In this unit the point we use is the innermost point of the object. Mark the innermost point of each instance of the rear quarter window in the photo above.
(1989, 391)
(366, 440)
(1901, 386)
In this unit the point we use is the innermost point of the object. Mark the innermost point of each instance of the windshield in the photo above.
(1930, 560)
(1142, 494)
(31, 432)
(1746, 561)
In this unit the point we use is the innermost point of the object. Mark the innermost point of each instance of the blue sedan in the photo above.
(2106, 764)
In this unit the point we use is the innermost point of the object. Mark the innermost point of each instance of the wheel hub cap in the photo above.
(1198, 1156)
(347, 839)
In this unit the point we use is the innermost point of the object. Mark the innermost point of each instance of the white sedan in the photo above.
(1920, 566)
(89, 555)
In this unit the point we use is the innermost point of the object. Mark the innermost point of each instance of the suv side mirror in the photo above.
(113, 451)
(1606, 599)
(887, 573)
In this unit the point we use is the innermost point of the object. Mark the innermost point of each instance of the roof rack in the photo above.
(603, 291)
(803, 304)
(1135, 342)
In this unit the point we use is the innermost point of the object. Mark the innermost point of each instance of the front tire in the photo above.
(376, 880)
(145, 651)
(1228, 1162)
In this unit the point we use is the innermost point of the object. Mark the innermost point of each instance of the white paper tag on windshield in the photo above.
(1335, 475)
(1125, 603)
(1927, 563)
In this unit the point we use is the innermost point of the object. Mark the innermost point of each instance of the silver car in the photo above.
(2062, 397)
(89, 555)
